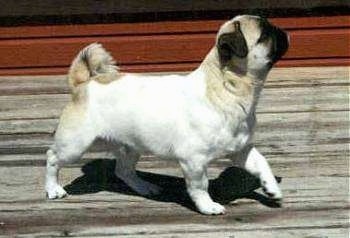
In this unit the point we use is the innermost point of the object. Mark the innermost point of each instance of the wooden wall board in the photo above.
(161, 46)
(167, 27)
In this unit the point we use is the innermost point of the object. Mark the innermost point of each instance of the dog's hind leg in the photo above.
(73, 136)
(126, 160)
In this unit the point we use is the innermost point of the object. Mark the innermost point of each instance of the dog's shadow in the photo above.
(231, 184)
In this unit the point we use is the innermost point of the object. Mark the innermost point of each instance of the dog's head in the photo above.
(250, 43)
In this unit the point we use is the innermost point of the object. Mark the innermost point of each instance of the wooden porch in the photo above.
(303, 130)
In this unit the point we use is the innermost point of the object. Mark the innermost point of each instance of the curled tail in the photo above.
(92, 63)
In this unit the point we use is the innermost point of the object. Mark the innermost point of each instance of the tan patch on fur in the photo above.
(71, 117)
(92, 63)
(224, 88)
(79, 94)
(78, 73)
(106, 78)
(250, 29)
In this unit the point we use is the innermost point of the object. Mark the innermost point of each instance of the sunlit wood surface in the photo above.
(303, 130)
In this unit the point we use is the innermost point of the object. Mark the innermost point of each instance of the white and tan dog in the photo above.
(194, 119)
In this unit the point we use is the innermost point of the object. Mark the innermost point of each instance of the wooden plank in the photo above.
(304, 135)
(312, 62)
(307, 91)
(306, 145)
(141, 68)
(312, 22)
(278, 77)
(131, 50)
(178, 231)
(118, 29)
(125, 49)
(224, 233)
(159, 27)
(283, 122)
(185, 42)
(174, 67)
(88, 7)
(311, 126)
(326, 183)
(14, 85)
(324, 132)
(307, 76)
(316, 158)
(318, 43)
(276, 147)
(320, 185)
(293, 164)
(320, 98)
(326, 199)
(46, 106)
(37, 12)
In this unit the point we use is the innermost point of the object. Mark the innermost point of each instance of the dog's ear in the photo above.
(280, 44)
(232, 44)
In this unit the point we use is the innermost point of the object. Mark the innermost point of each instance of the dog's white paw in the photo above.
(211, 208)
(55, 192)
(272, 190)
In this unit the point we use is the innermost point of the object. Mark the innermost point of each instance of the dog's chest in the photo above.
(232, 137)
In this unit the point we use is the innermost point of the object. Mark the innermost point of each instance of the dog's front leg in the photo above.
(255, 163)
(196, 178)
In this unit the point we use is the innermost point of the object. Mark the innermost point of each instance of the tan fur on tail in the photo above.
(92, 63)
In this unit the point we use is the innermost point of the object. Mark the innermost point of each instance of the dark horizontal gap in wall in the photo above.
(133, 34)
(167, 16)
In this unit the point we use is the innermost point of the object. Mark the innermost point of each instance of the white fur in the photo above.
(170, 116)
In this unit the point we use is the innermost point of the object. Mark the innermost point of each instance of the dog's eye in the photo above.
(263, 37)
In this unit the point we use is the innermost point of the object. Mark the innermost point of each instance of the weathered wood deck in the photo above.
(303, 131)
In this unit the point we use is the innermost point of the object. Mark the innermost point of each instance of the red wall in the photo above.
(161, 46)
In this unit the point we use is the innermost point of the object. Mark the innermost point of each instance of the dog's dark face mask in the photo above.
(279, 40)
(251, 43)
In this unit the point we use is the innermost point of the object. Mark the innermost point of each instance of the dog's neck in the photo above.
(227, 89)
